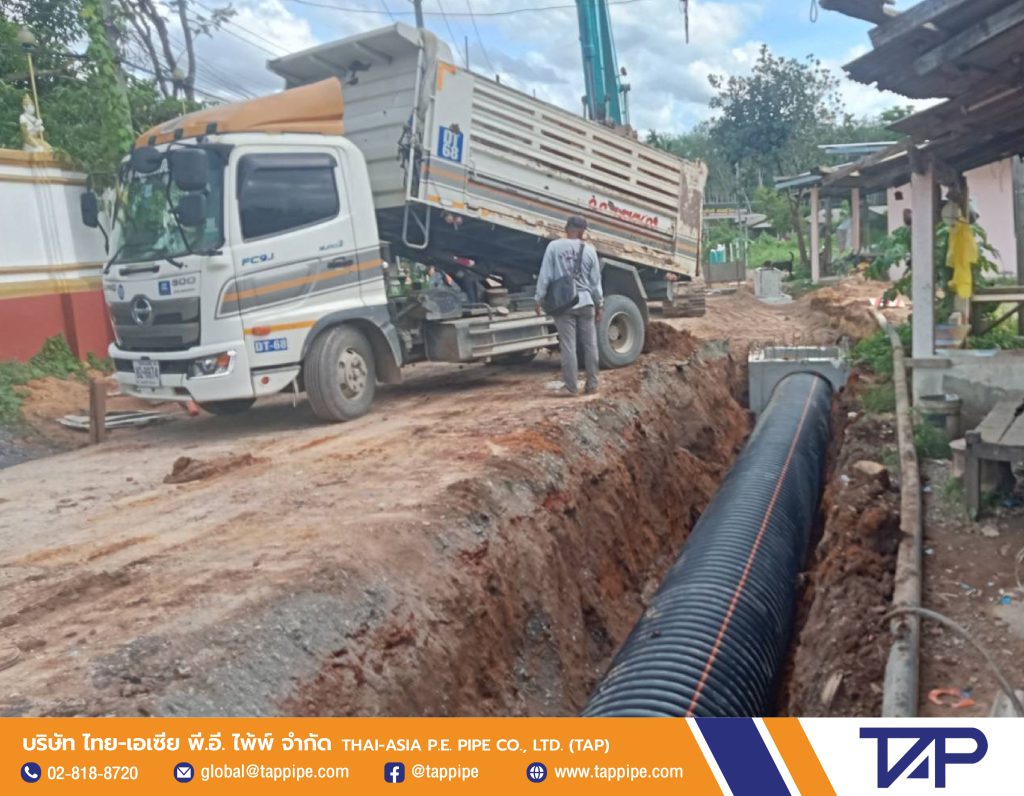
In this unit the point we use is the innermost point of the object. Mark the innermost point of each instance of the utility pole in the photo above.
(418, 5)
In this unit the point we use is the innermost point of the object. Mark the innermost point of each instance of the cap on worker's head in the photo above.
(576, 222)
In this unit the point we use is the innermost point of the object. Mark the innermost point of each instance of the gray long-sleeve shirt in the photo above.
(560, 260)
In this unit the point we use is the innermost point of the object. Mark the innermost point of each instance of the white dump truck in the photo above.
(388, 207)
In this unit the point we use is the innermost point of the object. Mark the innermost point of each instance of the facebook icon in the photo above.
(394, 772)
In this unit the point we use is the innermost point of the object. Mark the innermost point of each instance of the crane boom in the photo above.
(605, 100)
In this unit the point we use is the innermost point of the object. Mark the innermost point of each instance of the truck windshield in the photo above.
(146, 229)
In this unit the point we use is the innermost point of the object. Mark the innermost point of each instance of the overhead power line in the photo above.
(451, 32)
(509, 12)
(479, 38)
(278, 50)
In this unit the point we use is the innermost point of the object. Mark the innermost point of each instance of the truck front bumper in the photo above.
(175, 381)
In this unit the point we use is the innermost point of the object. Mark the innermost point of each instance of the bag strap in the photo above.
(578, 269)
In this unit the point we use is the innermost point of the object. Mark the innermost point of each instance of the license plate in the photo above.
(147, 372)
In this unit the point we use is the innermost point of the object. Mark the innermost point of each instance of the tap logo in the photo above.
(929, 747)
(142, 311)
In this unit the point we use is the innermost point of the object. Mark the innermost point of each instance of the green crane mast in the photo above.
(606, 98)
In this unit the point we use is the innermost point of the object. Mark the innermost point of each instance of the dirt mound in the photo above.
(668, 340)
(187, 469)
(46, 400)
(842, 644)
(852, 314)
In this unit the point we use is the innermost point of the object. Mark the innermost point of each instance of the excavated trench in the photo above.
(555, 554)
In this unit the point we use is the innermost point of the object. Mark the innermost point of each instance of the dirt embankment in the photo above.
(840, 650)
(552, 552)
(476, 546)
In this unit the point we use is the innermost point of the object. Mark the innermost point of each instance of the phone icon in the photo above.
(31, 772)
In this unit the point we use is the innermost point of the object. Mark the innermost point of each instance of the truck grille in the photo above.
(169, 324)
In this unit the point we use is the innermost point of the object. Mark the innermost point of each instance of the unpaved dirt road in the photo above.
(475, 545)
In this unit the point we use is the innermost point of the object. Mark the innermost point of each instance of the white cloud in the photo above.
(536, 53)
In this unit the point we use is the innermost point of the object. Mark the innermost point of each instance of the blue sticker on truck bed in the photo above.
(449, 143)
(269, 346)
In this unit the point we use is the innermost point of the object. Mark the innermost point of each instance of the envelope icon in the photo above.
(183, 773)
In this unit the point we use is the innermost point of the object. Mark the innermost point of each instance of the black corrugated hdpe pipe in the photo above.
(715, 636)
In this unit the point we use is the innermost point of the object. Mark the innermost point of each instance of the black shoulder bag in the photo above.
(561, 294)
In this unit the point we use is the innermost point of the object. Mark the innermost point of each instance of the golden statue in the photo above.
(32, 128)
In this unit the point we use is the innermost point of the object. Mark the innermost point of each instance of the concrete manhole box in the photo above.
(769, 365)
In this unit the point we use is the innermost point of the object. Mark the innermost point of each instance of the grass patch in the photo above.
(880, 400)
(53, 359)
(931, 442)
(891, 459)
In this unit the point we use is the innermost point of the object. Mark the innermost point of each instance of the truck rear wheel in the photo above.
(233, 407)
(620, 334)
(340, 374)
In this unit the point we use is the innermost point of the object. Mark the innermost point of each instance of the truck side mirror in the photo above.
(190, 168)
(191, 210)
(146, 159)
(90, 207)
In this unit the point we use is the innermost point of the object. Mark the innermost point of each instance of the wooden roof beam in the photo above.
(1002, 21)
(922, 14)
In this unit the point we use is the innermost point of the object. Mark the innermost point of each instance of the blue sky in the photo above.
(538, 51)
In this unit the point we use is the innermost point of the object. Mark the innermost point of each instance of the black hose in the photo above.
(715, 635)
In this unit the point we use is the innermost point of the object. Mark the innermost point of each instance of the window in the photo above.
(277, 193)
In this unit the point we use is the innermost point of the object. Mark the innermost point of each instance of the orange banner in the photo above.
(364, 756)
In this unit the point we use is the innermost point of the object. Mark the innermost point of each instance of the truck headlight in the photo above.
(211, 366)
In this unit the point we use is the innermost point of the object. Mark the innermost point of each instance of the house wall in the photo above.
(991, 189)
(50, 263)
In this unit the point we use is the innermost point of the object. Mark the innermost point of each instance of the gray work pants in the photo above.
(572, 323)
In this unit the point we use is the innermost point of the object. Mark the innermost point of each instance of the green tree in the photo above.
(774, 205)
(78, 99)
(770, 121)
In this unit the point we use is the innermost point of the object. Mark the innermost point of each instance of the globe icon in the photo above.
(536, 772)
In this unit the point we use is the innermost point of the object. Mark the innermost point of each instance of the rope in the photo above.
(814, 10)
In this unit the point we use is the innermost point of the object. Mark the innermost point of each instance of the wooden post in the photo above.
(815, 234)
(97, 410)
(922, 255)
(855, 221)
(1018, 226)
(827, 260)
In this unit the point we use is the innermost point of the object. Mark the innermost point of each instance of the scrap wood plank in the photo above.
(112, 420)
(1014, 436)
(997, 422)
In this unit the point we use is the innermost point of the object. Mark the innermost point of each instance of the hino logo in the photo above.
(142, 311)
(920, 755)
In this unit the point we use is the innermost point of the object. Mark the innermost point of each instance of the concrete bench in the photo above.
(999, 438)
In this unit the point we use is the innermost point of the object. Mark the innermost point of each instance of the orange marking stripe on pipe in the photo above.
(302, 280)
(799, 756)
(716, 647)
(281, 327)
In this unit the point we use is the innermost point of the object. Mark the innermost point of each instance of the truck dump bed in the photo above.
(496, 171)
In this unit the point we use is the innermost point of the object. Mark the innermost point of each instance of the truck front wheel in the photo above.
(340, 374)
(620, 334)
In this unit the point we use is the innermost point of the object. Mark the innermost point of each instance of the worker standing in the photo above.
(569, 288)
